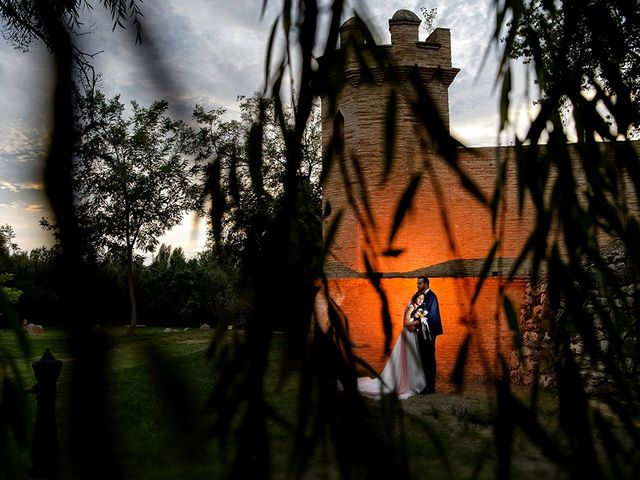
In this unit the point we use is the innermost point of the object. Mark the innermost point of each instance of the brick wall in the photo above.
(489, 331)
(447, 233)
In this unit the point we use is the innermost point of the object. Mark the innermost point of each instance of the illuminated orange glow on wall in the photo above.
(487, 324)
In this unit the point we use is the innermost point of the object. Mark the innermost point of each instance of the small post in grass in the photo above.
(44, 452)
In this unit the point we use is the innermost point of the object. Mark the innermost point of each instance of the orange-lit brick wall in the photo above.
(490, 333)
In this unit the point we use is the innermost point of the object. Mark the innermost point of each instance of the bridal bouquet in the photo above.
(421, 315)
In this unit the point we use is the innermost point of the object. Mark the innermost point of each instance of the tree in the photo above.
(131, 181)
(189, 292)
(14, 419)
(7, 248)
(37, 273)
(10, 294)
(239, 192)
(584, 55)
(596, 45)
(7, 245)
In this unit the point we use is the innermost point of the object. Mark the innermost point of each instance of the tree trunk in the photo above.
(132, 295)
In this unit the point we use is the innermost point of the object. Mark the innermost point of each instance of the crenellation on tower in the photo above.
(363, 67)
(404, 26)
(351, 33)
(440, 38)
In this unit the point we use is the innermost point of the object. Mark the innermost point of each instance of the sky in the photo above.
(209, 52)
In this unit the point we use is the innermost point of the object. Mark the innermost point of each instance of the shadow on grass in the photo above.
(148, 446)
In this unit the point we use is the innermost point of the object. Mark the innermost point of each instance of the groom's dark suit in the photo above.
(427, 339)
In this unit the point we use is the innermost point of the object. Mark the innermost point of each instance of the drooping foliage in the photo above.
(283, 256)
(594, 46)
(240, 194)
(584, 57)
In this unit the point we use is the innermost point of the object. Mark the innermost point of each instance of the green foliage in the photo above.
(131, 181)
(177, 292)
(10, 294)
(584, 58)
(7, 245)
(24, 22)
(173, 291)
(37, 273)
(595, 46)
(7, 248)
(241, 191)
(14, 414)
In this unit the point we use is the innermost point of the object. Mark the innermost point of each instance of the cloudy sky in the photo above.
(207, 52)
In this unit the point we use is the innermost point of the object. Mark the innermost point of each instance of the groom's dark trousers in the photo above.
(427, 350)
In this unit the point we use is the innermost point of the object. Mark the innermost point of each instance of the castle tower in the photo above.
(377, 78)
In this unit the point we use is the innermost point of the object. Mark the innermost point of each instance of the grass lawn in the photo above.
(147, 444)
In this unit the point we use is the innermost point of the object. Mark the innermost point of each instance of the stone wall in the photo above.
(604, 302)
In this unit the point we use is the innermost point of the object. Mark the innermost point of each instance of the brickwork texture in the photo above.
(447, 233)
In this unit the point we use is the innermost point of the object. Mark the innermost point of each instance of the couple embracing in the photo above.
(411, 368)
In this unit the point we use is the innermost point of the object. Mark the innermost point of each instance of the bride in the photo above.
(403, 374)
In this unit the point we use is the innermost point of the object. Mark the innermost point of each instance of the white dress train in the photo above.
(403, 373)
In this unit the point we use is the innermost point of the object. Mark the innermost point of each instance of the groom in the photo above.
(427, 332)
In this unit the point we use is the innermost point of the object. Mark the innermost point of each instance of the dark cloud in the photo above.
(190, 50)
(208, 52)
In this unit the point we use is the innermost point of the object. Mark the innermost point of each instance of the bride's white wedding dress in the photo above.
(403, 373)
